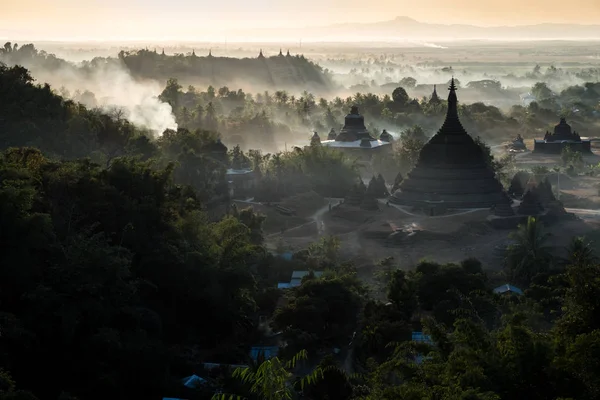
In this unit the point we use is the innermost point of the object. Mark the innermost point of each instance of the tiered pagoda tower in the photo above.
(355, 140)
(563, 136)
(434, 96)
(354, 128)
(452, 171)
(386, 137)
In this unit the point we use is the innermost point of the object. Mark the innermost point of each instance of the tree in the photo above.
(400, 97)
(271, 380)
(321, 312)
(171, 93)
(408, 82)
(541, 91)
(485, 85)
(403, 294)
(530, 254)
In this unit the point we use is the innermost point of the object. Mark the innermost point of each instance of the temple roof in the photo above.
(434, 96)
(216, 147)
(354, 128)
(386, 137)
(562, 127)
(452, 169)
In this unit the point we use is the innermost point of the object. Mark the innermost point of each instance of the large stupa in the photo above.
(452, 171)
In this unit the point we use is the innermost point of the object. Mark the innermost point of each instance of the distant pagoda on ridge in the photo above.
(451, 171)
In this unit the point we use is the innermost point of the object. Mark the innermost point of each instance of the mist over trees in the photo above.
(125, 267)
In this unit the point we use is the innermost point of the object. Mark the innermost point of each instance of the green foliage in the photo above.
(271, 380)
(321, 312)
(105, 270)
(326, 171)
(114, 280)
(571, 158)
(403, 294)
(407, 149)
(529, 255)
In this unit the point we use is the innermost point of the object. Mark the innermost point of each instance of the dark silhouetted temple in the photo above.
(563, 135)
(354, 128)
(355, 139)
(452, 171)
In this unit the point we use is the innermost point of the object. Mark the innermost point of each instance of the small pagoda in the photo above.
(332, 134)
(355, 140)
(386, 136)
(452, 171)
(563, 136)
(356, 195)
(434, 99)
(531, 204)
(315, 140)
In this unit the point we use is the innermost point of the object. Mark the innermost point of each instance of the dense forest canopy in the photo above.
(119, 276)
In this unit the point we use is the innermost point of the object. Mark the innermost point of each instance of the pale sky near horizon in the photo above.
(129, 19)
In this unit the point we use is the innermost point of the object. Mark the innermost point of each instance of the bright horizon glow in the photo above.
(190, 20)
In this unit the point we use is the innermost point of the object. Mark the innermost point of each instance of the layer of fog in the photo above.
(108, 85)
(356, 69)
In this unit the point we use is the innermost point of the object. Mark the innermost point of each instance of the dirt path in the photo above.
(402, 209)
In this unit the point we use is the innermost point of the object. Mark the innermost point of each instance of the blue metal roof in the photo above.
(508, 289)
(422, 338)
(302, 274)
(193, 381)
(267, 351)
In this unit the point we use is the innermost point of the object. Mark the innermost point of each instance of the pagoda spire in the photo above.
(452, 102)
(434, 96)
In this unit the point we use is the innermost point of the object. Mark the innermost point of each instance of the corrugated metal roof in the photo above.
(508, 289)
(267, 352)
(193, 381)
(302, 274)
(421, 337)
(284, 285)
(238, 171)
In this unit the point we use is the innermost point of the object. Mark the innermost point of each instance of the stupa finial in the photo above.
(452, 102)
(452, 87)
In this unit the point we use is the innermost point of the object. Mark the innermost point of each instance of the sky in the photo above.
(142, 19)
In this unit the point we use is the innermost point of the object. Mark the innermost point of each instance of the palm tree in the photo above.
(271, 379)
(580, 252)
(529, 255)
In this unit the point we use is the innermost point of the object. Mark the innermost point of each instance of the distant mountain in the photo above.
(405, 28)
